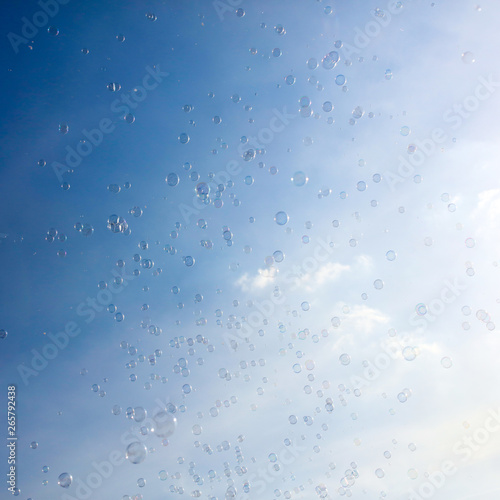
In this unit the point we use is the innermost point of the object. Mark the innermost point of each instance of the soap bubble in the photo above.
(340, 80)
(281, 218)
(446, 362)
(139, 414)
(468, 58)
(172, 179)
(136, 452)
(409, 353)
(391, 255)
(345, 359)
(202, 190)
(327, 106)
(164, 424)
(189, 261)
(64, 480)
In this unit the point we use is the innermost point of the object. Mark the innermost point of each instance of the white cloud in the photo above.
(264, 277)
(485, 216)
(326, 274)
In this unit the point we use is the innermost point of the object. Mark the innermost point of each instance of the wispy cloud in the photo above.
(326, 274)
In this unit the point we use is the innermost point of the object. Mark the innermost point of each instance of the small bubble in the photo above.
(278, 256)
(183, 138)
(391, 255)
(468, 58)
(409, 353)
(189, 261)
(421, 309)
(172, 179)
(136, 452)
(327, 106)
(279, 30)
(114, 87)
(378, 284)
(358, 112)
(446, 362)
(412, 474)
(65, 480)
(312, 63)
(345, 359)
(340, 80)
(281, 218)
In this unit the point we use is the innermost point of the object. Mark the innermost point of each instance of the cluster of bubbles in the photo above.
(84, 229)
(117, 224)
(163, 421)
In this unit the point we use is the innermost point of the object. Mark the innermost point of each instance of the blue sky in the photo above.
(318, 303)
